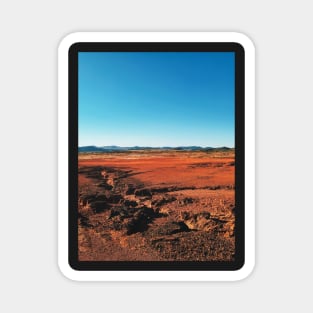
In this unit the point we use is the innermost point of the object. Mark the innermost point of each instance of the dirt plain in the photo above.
(157, 205)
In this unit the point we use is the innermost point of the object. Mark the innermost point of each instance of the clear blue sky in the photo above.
(156, 98)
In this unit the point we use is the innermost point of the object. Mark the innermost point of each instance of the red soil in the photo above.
(192, 191)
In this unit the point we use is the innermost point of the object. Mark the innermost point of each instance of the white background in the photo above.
(30, 33)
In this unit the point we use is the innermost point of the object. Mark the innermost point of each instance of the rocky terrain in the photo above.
(156, 205)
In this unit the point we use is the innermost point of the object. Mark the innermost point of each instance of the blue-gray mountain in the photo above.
(121, 149)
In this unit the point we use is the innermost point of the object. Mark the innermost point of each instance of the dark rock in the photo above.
(160, 190)
(114, 199)
(148, 213)
(163, 201)
(136, 225)
(101, 198)
(105, 185)
(83, 220)
(130, 190)
(99, 206)
(133, 220)
(141, 218)
(143, 192)
(170, 228)
(186, 201)
(130, 203)
(121, 212)
(89, 198)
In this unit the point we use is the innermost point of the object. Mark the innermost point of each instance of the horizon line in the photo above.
(167, 146)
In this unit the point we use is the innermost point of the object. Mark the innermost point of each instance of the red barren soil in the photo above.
(156, 206)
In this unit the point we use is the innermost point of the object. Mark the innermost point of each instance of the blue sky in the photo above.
(156, 98)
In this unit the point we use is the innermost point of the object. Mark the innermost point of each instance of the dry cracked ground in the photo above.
(156, 206)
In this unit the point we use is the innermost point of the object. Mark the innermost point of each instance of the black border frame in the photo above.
(239, 156)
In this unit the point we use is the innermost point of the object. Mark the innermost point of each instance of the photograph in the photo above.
(156, 156)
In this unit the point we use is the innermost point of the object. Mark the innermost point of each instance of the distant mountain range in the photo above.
(121, 149)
